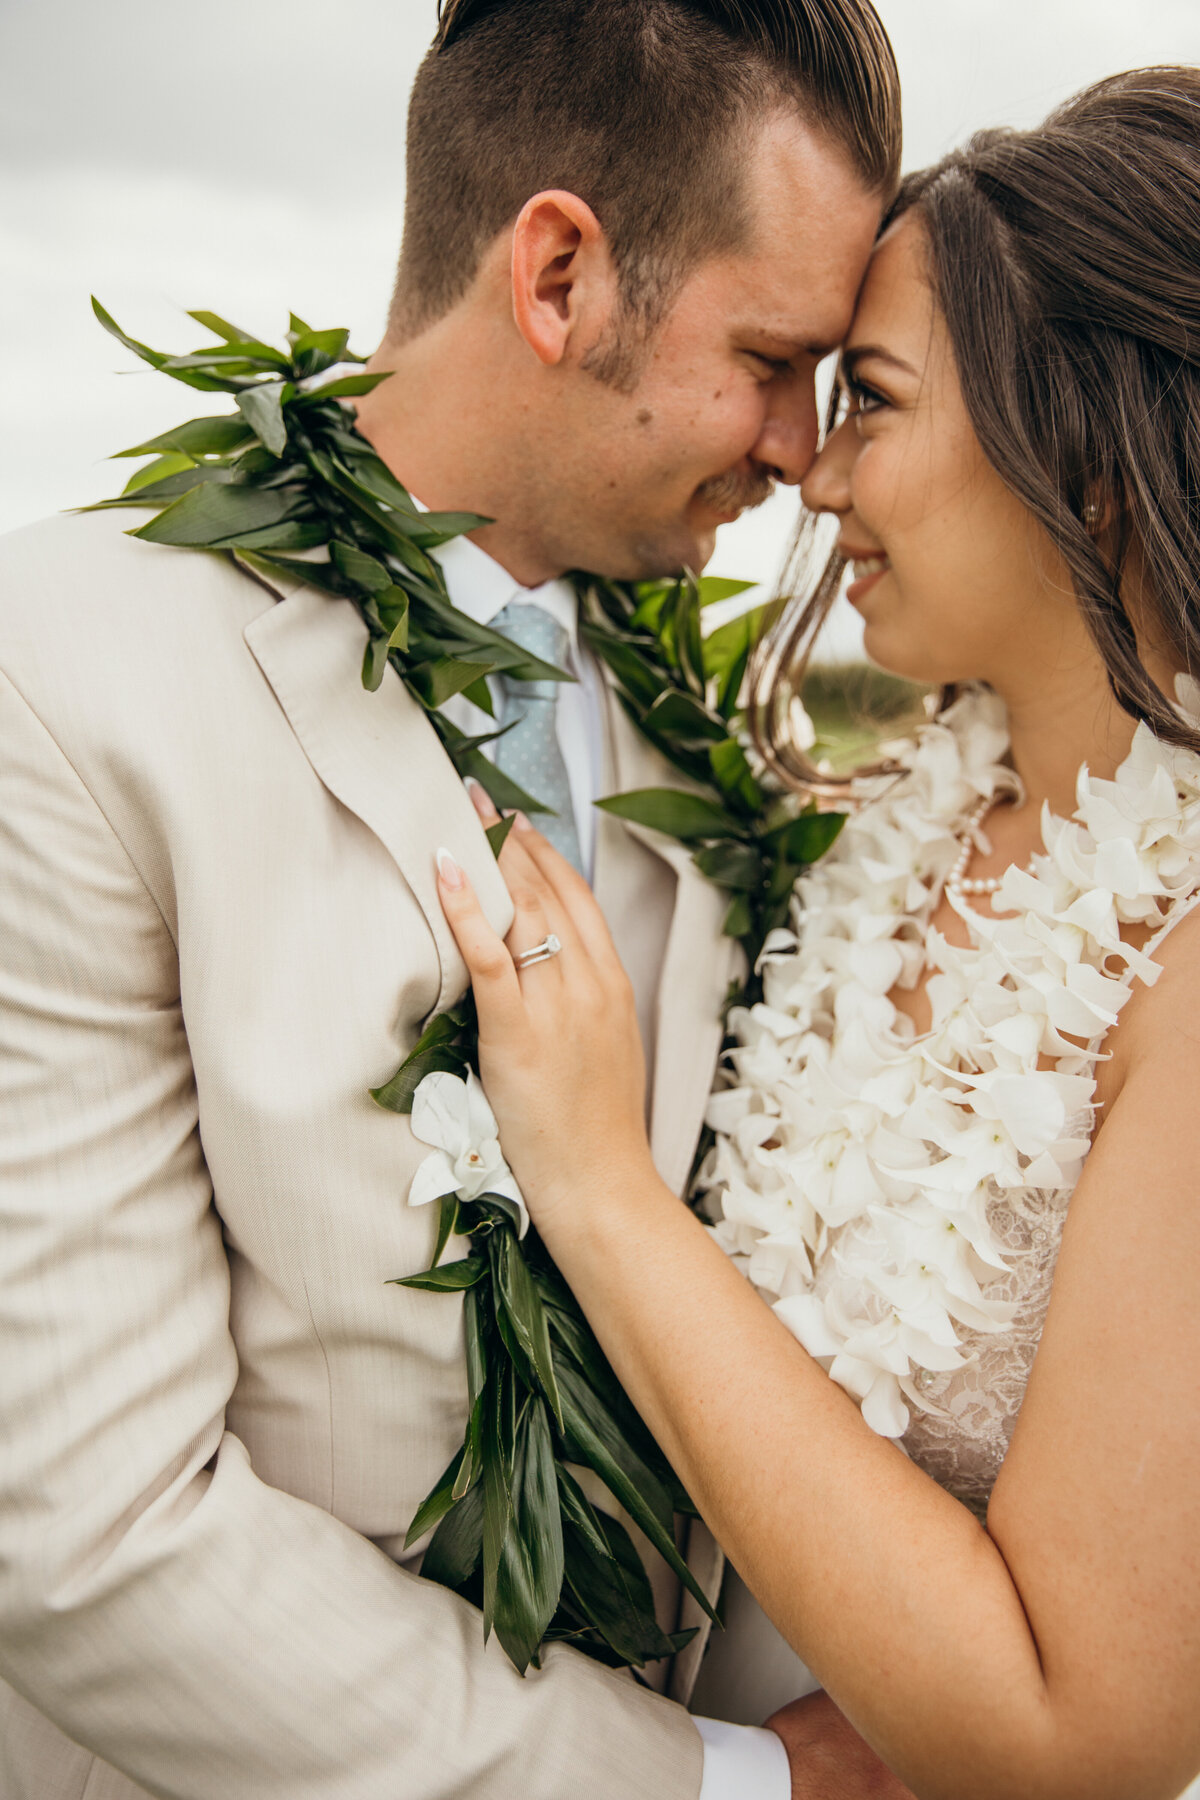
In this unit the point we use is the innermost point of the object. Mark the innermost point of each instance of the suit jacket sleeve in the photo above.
(206, 1634)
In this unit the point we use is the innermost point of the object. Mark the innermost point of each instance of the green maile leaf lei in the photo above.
(513, 1529)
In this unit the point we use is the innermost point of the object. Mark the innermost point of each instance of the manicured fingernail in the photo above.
(449, 870)
(522, 823)
(482, 801)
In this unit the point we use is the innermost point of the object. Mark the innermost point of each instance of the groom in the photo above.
(633, 229)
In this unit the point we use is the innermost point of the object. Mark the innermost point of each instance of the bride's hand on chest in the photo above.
(560, 1053)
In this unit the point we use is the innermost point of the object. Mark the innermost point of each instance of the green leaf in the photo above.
(371, 472)
(313, 351)
(447, 1220)
(296, 328)
(477, 1332)
(652, 597)
(623, 1473)
(530, 1572)
(439, 681)
(293, 534)
(364, 571)
(731, 864)
(214, 516)
(457, 1544)
(154, 357)
(611, 1592)
(450, 1278)
(494, 1209)
(574, 1340)
(217, 436)
(731, 643)
(437, 1502)
(578, 1509)
(436, 1049)
(586, 1410)
(172, 463)
(683, 718)
(221, 328)
(626, 661)
(688, 817)
(718, 587)
(347, 387)
(471, 1466)
(196, 378)
(158, 487)
(500, 789)
(375, 662)
(521, 1302)
(497, 835)
(739, 920)
(688, 644)
(734, 775)
(262, 409)
(398, 620)
(321, 575)
(811, 835)
(479, 694)
(497, 1449)
(432, 529)
(245, 357)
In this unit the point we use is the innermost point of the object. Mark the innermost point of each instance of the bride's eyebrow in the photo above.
(857, 353)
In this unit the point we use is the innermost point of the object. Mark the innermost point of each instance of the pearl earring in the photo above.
(1091, 512)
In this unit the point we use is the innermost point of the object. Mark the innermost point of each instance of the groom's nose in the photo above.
(787, 442)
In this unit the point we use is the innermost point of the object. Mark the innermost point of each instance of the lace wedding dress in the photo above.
(899, 1197)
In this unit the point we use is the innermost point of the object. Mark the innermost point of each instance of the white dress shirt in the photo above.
(741, 1762)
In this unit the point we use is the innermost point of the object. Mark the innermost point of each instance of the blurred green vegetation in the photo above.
(855, 707)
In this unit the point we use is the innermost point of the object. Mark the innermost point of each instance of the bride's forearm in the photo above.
(890, 1590)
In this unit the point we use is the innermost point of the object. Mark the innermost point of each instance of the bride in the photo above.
(985, 1012)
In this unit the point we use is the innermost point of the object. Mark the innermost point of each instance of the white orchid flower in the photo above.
(453, 1115)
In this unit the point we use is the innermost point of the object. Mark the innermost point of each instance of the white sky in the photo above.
(247, 156)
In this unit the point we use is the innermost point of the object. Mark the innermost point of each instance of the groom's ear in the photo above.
(561, 270)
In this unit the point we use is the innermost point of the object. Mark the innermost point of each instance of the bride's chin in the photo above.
(888, 650)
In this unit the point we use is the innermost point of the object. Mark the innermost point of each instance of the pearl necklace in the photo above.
(957, 882)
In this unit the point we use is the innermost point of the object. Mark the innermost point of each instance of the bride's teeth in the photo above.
(869, 565)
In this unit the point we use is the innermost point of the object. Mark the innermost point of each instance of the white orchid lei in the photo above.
(855, 1159)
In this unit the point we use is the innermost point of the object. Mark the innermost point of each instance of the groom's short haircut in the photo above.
(643, 109)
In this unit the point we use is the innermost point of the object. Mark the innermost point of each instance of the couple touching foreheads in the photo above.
(924, 1355)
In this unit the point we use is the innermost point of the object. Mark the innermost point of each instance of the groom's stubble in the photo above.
(735, 491)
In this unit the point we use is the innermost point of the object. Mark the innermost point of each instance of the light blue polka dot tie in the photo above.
(530, 753)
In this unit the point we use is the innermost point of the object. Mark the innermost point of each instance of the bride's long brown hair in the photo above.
(1066, 262)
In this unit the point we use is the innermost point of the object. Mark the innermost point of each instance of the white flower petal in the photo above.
(435, 1177)
(440, 1112)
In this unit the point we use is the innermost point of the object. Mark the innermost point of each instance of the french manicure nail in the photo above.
(449, 870)
(482, 800)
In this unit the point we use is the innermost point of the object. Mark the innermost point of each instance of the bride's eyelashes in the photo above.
(862, 398)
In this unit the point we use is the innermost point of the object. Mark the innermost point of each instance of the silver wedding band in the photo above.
(549, 946)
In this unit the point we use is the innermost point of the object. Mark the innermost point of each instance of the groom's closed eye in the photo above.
(776, 367)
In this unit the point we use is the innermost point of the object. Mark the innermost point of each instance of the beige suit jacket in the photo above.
(218, 929)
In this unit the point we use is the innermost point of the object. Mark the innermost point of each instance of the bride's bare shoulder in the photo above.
(1159, 1027)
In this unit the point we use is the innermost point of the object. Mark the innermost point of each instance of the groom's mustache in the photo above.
(735, 491)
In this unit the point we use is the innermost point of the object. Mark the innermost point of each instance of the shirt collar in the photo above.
(481, 589)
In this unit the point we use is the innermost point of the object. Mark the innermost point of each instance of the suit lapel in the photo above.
(693, 961)
(378, 755)
(681, 1021)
